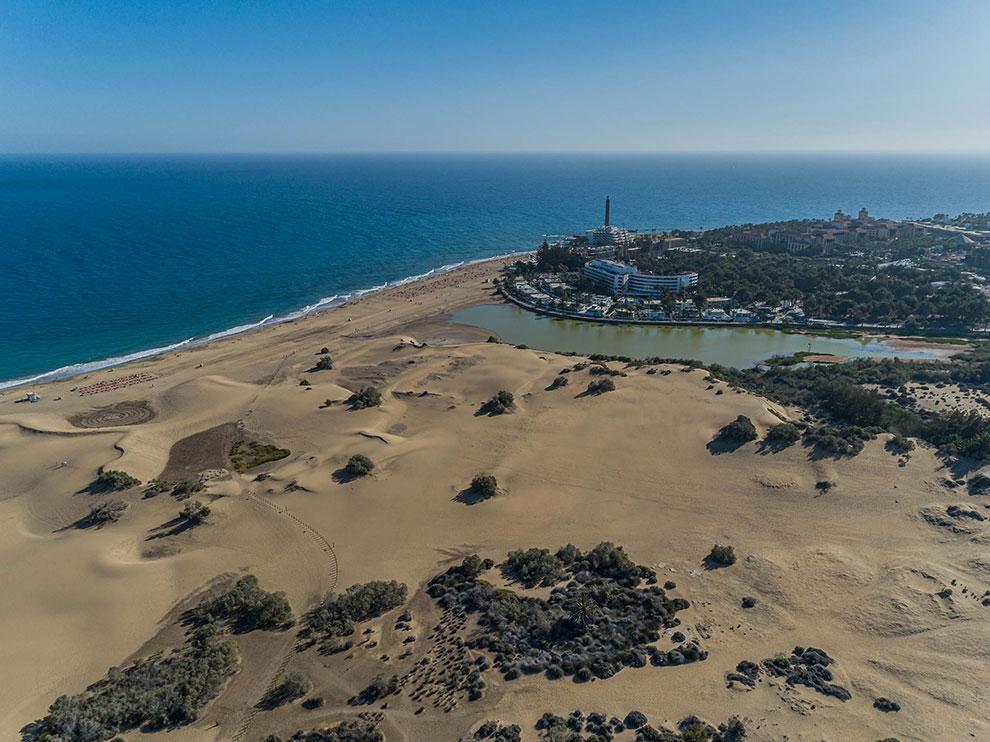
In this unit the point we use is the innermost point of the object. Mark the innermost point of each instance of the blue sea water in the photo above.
(103, 257)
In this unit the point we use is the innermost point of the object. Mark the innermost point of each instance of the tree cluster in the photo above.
(600, 621)
(338, 613)
(246, 605)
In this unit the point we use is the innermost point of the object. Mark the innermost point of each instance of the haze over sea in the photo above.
(103, 257)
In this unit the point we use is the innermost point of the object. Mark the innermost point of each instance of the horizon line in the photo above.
(360, 152)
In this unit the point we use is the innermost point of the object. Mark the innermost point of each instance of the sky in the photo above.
(467, 75)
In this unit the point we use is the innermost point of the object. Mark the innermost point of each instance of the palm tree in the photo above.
(583, 610)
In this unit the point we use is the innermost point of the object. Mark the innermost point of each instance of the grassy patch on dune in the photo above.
(244, 456)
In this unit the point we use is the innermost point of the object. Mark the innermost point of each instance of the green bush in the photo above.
(739, 430)
(379, 688)
(117, 480)
(900, 444)
(366, 397)
(843, 441)
(782, 435)
(294, 685)
(722, 555)
(500, 403)
(535, 567)
(157, 486)
(106, 512)
(600, 386)
(359, 465)
(484, 485)
(325, 363)
(195, 512)
(184, 489)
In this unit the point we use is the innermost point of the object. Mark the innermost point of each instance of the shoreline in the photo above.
(310, 310)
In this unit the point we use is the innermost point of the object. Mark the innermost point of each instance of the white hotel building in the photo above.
(618, 278)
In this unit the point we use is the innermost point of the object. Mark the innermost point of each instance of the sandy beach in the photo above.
(869, 569)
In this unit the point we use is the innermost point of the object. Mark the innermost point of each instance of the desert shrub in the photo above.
(324, 350)
(187, 487)
(106, 512)
(783, 434)
(844, 441)
(304, 382)
(739, 430)
(337, 614)
(886, 705)
(611, 562)
(195, 512)
(157, 486)
(979, 484)
(600, 386)
(325, 363)
(493, 339)
(295, 684)
(569, 554)
(311, 704)
(117, 480)
(900, 444)
(722, 555)
(472, 566)
(558, 382)
(733, 730)
(161, 691)
(484, 485)
(366, 397)
(500, 403)
(359, 465)
(245, 604)
(603, 370)
(379, 687)
(535, 567)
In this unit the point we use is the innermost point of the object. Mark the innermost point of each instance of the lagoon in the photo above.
(740, 347)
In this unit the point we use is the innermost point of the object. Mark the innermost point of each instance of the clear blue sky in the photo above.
(469, 75)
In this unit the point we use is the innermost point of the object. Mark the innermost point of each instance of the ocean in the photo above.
(107, 258)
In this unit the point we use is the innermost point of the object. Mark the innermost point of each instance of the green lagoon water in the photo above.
(730, 346)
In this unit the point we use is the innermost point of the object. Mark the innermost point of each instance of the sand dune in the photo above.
(856, 571)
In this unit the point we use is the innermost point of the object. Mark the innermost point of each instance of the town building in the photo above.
(618, 278)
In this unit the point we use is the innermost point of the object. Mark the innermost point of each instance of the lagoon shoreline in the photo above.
(398, 290)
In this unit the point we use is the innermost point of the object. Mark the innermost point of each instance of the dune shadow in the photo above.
(173, 527)
(488, 410)
(710, 564)
(469, 496)
(343, 476)
(96, 487)
(769, 447)
(720, 444)
(86, 522)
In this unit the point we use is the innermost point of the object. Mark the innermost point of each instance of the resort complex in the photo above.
(836, 272)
